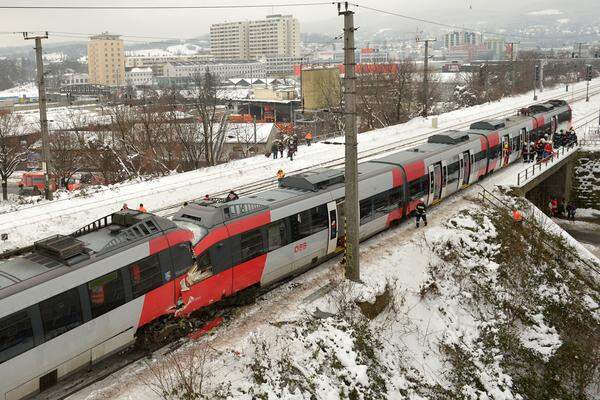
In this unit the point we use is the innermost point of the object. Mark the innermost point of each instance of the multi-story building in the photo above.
(139, 76)
(460, 38)
(150, 60)
(106, 60)
(74, 79)
(180, 72)
(283, 65)
(497, 46)
(276, 35)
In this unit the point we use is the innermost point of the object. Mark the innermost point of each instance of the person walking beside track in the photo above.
(274, 149)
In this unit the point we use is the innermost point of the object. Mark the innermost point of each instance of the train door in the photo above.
(435, 183)
(444, 179)
(461, 169)
(333, 227)
(340, 221)
(505, 151)
(431, 171)
(524, 139)
(466, 157)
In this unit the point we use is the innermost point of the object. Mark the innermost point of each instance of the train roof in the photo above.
(60, 254)
(292, 188)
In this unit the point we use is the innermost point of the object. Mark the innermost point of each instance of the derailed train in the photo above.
(75, 299)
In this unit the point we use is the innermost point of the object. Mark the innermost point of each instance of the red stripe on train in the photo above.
(172, 238)
(415, 170)
(396, 177)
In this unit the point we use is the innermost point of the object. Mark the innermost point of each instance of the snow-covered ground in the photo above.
(70, 213)
(447, 295)
(28, 90)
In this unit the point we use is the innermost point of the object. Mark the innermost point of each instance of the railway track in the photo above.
(269, 183)
(113, 364)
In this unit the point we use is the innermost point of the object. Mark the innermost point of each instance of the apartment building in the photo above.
(276, 35)
(139, 76)
(106, 60)
(181, 72)
(460, 38)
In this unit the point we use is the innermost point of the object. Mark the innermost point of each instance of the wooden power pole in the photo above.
(351, 209)
(41, 82)
(426, 76)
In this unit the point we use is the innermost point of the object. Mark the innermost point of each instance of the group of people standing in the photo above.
(289, 143)
(543, 147)
(557, 209)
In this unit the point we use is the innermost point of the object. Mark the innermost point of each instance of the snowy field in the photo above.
(276, 349)
(32, 222)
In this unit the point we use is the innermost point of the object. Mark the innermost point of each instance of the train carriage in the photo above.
(90, 293)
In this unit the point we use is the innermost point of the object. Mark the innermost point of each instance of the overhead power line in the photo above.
(160, 7)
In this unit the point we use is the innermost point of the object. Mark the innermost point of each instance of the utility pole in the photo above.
(512, 65)
(426, 76)
(351, 209)
(42, 105)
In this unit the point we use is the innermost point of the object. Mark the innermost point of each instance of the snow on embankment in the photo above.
(472, 307)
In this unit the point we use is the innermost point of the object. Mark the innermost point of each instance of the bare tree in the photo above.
(66, 155)
(184, 375)
(205, 104)
(12, 152)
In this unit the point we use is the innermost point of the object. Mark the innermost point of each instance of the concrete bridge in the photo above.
(551, 178)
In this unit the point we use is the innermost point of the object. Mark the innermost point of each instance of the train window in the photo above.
(252, 244)
(106, 293)
(395, 197)
(479, 156)
(61, 313)
(181, 254)
(319, 220)
(300, 224)
(16, 335)
(418, 188)
(277, 235)
(453, 172)
(145, 275)
(380, 202)
(365, 210)
(495, 151)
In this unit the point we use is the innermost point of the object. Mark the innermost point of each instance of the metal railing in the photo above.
(544, 164)
(589, 142)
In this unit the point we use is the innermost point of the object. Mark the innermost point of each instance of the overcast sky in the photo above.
(190, 23)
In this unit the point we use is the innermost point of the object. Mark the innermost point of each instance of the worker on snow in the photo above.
(141, 208)
(571, 208)
(421, 213)
(517, 217)
(125, 207)
(274, 149)
(308, 138)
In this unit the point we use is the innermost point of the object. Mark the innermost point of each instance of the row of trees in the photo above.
(169, 130)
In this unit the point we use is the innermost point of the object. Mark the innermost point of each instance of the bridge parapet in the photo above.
(549, 163)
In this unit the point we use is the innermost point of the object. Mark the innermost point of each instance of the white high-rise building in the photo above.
(274, 36)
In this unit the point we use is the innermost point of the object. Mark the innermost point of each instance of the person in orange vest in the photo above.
(517, 217)
(141, 208)
(308, 138)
